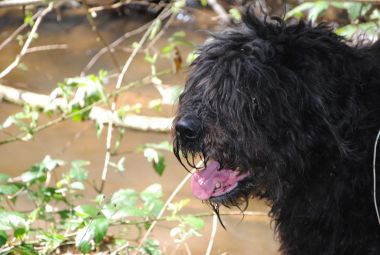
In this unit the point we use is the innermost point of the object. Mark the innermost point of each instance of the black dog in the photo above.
(289, 114)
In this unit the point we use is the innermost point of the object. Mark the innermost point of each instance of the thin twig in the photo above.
(220, 11)
(109, 7)
(113, 106)
(119, 41)
(374, 176)
(28, 41)
(213, 234)
(101, 38)
(47, 47)
(18, 30)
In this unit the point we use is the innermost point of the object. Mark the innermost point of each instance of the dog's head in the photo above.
(257, 108)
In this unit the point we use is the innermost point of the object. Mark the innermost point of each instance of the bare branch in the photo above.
(47, 47)
(101, 38)
(213, 234)
(220, 11)
(113, 106)
(119, 41)
(28, 41)
(18, 30)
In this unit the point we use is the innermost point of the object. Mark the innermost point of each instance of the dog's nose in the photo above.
(188, 127)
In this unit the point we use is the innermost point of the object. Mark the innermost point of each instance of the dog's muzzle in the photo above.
(188, 128)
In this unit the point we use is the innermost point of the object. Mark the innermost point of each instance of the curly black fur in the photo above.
(299, 108)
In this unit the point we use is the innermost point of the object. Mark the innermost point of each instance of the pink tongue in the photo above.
(203, 182)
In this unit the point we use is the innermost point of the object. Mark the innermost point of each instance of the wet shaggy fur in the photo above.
(298, 108)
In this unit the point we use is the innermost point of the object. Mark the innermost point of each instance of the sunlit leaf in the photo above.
(86, 211)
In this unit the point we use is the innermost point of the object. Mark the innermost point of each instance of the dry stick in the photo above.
(101, 38)
(213, 234)
(118, 41)
(374, 176)
(18, 30)
(27, 42)
(113, 106)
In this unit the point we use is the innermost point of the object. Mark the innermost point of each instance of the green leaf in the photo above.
(12, 220)
(155, 29)
(152, 247)
(51, 240)
(4, 178)
(191, 57)
(86, 211)
(125, 197)
(19, 232)
(160, 166)
(29, 18)
(297, 12)
(164, 145)
(3, 237)
(152, 199)
(235, 14)
(25, 249)
(119, 166)
(9, 189)
(112, 212)
(77, 185)
(193, 222)
(153, 191)
(77, 171)
(100, 226)
(318, 8)
(95, 231)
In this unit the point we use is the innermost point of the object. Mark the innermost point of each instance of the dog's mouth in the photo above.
(213, 181)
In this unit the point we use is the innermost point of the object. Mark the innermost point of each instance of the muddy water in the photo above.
(70, 141)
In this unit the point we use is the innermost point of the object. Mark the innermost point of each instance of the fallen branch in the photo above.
(102, 116)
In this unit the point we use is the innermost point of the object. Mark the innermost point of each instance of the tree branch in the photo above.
(28, 41)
